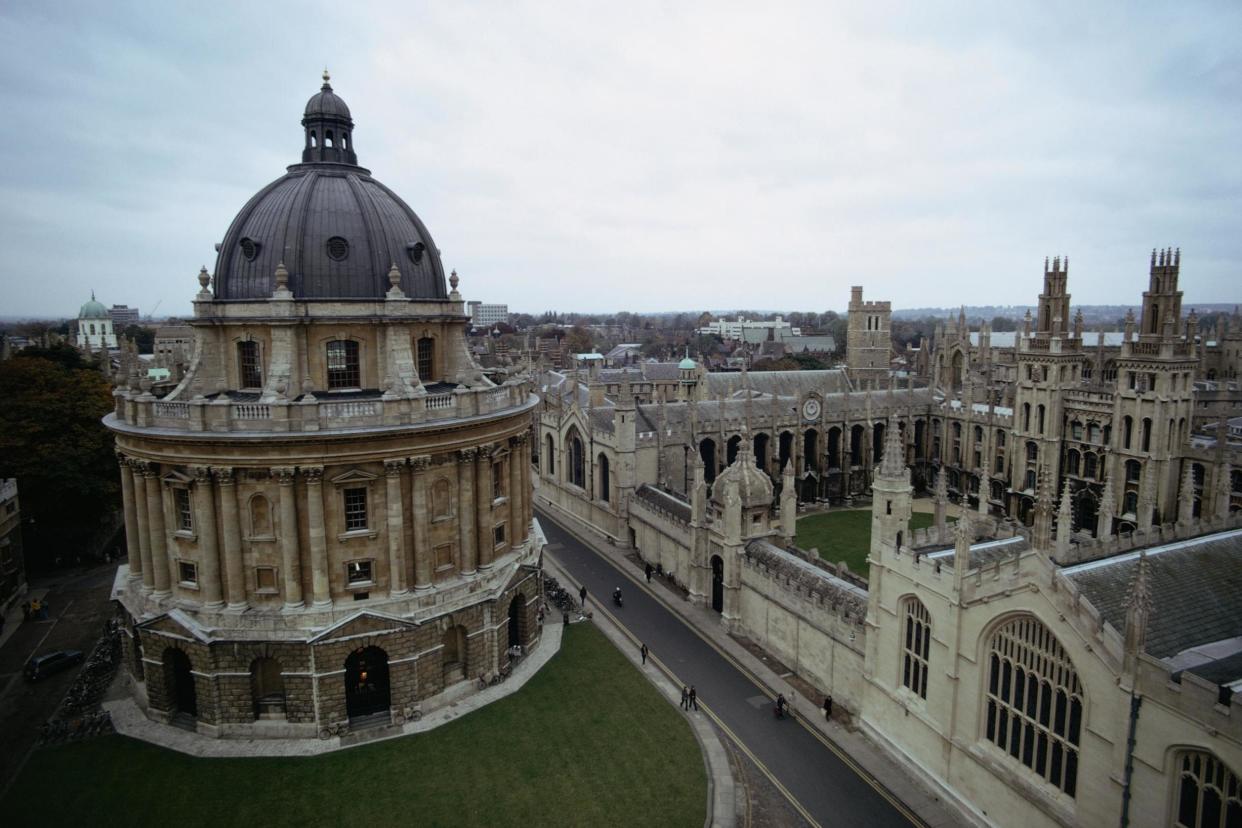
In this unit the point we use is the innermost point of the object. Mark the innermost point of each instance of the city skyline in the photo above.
(643, 160)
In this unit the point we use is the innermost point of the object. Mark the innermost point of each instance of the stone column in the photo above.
(515, 490)
(132, 547)
(316, 532)
(290, 555)
(465, 510)
(143, 527)
(235, 579)
(159, 540)
(208, 541)
(396, 527)
(483, 505)
(422, 541)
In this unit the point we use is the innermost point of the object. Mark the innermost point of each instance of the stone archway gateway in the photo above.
(367, 691)
(180, 681)
(517, 612)
(717, 583)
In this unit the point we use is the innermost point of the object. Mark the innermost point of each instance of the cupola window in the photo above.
(249, 248)
(343, 366)
(415, 251)
(338, 249)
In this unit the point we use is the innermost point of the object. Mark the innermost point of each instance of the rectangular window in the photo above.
(187, 572)
(358, 572)
(498, 480)
(498, 535)
(265, 579)
(185, 512)
(343, 370)
(355, 509)
(248, 364)
(426, 359)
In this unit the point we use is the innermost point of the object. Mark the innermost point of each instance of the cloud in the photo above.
(643, 157)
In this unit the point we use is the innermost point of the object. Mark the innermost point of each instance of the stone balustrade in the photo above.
(223, 414)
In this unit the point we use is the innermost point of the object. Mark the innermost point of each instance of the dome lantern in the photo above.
(329, 128)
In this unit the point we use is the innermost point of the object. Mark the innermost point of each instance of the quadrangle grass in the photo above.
(845, 535)
(587, 741)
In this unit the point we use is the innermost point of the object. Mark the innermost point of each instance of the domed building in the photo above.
(329, 518)
(94, 327)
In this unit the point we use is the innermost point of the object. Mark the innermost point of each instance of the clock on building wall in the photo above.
(810, 409)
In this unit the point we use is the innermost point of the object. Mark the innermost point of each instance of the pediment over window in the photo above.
(362, 623)
(354, 476)
(177, 478)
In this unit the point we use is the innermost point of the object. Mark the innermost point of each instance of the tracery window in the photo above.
(916, 646)
(1034, 701)
(1209, 793)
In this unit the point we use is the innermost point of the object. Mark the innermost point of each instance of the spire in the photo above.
(1138, 609)
(1044, 500)
(1065, 523)
(1186, 498)
(1104, 516)
(893, 465)
(963, 535)
(942, 500)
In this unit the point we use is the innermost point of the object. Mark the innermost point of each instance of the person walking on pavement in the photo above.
(685, 698)
(649, 570)
(828, 707)
(694, 698)
(582, 595)
(643, 650)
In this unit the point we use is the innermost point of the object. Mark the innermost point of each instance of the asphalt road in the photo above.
(828, 789)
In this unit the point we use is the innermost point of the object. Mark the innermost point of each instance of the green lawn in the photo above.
(587, 741)
(846, 535)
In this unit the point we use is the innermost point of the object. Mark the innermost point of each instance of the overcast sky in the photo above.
(625, 156)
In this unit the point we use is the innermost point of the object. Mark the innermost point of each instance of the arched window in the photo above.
(1026, 416)
(1129, 504)
(1209, 792)
(1147, 434)
(731, 448)
(548, 450)
(1034, 701)
(810, 449)
(1032, 451)
(1039, 411)
(1030, 480)
(1127, 429)
(267, 689)
(605, 485)
(1134, 471)
(978, 434)
(1000, 438)
(856, 445)
(260, 517)
(453, 655)
(1076, 430)
(426, 359)
(877, 443)
(1088, 464)
(1093, 433)
(916, 645)
(1071, 462)
(577, 474)
(707, 452)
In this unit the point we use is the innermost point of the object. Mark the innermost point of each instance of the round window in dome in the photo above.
(338, 249)
(249, 248)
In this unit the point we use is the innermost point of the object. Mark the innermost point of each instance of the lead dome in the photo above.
(337, 229)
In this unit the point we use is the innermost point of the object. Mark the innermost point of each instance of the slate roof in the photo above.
(982, 554)
(782, 383)
(1196, 588)
(665, 501)
(842, 594)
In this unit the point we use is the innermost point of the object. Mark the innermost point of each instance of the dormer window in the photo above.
(416, 251)
(249, 248)
(338, 249)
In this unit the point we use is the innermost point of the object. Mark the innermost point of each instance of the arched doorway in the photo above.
(760, 450)
(605, 482)
(707, 451)
(517, 621)
(366, 682)
(717, 583)
(180, 682)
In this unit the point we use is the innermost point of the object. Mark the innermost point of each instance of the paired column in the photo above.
(465, 510)
(158, 537)
(143, 527)
(483, 505)
(316, 531)
(235, 582)
(289, 553)
(208, 542)
(396, 528)
(516, 446)
(422, 539)
(131, 518)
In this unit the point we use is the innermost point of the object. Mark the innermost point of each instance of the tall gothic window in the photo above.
(1209, 793)
(343, 368)
(915, 647)
(248, 364)
(576, 470)
(1035, 701)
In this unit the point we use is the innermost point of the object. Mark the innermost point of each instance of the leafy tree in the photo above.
(579, 340)
(145, 337)
(52, 441)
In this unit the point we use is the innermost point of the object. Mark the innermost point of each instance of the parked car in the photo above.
(48, 663)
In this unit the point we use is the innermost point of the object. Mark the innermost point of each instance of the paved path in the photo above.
(828, 790)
